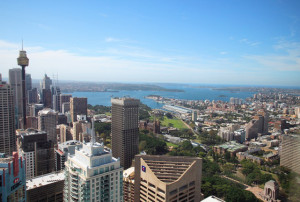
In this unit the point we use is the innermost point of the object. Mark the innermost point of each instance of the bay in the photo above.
(190, 93)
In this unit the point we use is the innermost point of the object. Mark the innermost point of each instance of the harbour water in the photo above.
(189, 93)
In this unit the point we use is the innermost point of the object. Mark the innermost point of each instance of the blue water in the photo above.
(190, 93)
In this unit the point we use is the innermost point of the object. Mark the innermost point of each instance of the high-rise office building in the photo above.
(56, 98)
(12, 178)
(290, 152)
(37, 151)
(64, 98)
(125, 129)
(167, 178)
(47, 82)
(92, 174)
(78, 106)
(15, 81)
(47, 98)
(7, 119)
(32, 96)
(47, 122)
(28, 82)
(65, 133)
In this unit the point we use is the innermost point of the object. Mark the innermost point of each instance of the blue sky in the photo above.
(221, 42)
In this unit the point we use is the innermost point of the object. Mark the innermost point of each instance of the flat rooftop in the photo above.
(44, 180)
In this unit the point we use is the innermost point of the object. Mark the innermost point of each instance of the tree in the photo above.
(169, 115)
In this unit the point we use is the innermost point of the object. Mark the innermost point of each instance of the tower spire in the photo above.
(93, 132)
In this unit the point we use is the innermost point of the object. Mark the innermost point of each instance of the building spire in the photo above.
(22, 44)
(93, 132)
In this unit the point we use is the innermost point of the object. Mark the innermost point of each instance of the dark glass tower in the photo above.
(125, 130)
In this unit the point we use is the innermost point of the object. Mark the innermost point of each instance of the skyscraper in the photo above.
(56, 99)
(47, 82)
(92, 174)
(290, 152)
(13, 179)
(64, 98)
(125, 130)
(47, 123)
(28, 82)
(78, 106)
(15, 81)
(37, 152)
(7, 120)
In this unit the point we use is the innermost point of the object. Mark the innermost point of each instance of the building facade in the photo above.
(47, 122)
(15, 81)
(7, 119)
(125, 129)
(47, 188)
(290, 152)
(37, 152)
(78, 106)
(167, 178)
(13, 179)
(92, 174)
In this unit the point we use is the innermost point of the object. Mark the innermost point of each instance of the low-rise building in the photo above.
(232, 147)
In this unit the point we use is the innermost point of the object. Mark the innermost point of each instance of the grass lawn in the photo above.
(177, 123)
(169, 144)
(107, 113)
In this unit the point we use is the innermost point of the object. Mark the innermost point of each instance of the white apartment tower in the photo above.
(92, 174)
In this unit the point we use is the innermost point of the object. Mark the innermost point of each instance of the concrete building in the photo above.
(32, 96)
(65, 107)
(78, 106)
(167, 178)
(259, 124)
(47, 82)
(227, 133)
(56, 99)
(47, 122)
(194, 115)
(63, 151)
(92, 174)
(46, 188)
(125, 129)
(37, 152)
(13, 179)
(7, 119)
(15, 81)
(64, 98)
(128, 185)
(232, 147)
(28, 82)
(290, 152)
(47, 98)
(65, 133)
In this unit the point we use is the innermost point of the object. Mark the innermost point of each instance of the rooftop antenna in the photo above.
(93, 132)
(22, 44)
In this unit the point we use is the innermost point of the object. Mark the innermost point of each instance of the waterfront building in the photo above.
(48, 187)
(92, 174)
(13, 178)
(47, 122)
(78, 106)
(63, 151)
(125, 129)
(167, 178)
(290, 152)
(37, 152)
(7, 119)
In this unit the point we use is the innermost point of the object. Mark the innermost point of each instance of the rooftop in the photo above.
(231, 146)
(44, 180)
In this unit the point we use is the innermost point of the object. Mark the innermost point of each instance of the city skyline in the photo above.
(249, 42)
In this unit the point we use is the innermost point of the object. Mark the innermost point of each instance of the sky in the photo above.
(249, 42)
